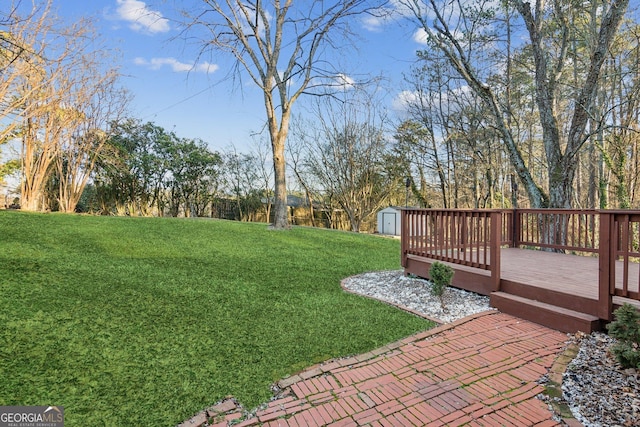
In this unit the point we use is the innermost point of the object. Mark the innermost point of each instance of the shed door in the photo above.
(389, 223)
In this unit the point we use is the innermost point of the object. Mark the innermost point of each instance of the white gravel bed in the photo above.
(414, 293)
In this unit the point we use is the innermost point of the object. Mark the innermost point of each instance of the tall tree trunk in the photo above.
(278, 133)
(280, 214)
(447, 43)
(562, 166)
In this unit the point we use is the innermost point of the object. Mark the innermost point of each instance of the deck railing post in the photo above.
(606, 254)
(404, 237)
(495, 239)
(464, 233)
(515, 238)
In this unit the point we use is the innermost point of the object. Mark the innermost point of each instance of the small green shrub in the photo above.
(626, 329)
(441, 276)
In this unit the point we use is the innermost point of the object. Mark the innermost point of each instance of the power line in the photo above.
(179, 102)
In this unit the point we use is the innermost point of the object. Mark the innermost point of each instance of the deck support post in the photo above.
(606, 259)
(494, 241)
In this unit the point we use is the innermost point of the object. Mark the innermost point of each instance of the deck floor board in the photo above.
(569, 274)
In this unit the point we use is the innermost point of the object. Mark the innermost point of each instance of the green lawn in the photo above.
(146, 321)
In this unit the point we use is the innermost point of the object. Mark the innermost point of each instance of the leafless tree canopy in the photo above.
(466, 36)
(286, 49)
(57, 96)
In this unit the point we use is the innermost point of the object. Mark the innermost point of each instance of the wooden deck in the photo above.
(566, 281)
(566, 292)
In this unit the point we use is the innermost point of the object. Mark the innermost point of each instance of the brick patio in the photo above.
(479, 371)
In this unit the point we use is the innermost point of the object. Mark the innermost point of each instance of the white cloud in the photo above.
(393, 12)
(141, 18)
(408, 100)
(374, 24)
(344, 82)
(420, 37)
(404, 99)
(175, 65)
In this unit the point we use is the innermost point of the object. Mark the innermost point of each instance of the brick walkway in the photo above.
(479, 371)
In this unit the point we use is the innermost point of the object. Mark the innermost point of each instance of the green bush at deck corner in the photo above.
(440, 276)
(146, 321)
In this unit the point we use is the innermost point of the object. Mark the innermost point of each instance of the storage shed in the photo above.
(389, 221)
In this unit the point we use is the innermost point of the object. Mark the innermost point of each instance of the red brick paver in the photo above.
(479, 371)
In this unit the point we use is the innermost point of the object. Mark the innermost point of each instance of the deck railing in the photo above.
(557, 230)
(619, 257)
(473, 238)
(466, 237)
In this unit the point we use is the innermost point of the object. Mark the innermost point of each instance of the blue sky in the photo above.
(201, 102)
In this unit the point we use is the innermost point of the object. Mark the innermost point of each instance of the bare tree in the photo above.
(298, 147)
(260, 151)
(563, 163)
(443, 33)
(352, 160)
(98, 102)
(42, 129)
(67, 98)
(243, 182)
(417, 142)
(281, 46)
(20, 55)
(618, 142)
(550, 28)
